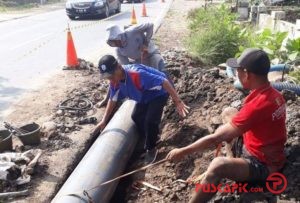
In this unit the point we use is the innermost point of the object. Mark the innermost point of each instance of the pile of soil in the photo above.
(207, 92)
(64, 129)
(66, 120)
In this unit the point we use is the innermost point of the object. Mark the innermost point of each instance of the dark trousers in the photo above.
(147, 117)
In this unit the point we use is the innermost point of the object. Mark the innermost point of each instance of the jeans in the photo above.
(147, 117)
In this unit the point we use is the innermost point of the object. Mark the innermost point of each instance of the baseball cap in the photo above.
(107, 66)
(253, 60)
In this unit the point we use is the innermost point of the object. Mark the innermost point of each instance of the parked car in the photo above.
(92, 8)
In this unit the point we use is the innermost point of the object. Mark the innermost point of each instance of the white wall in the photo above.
(269, 21)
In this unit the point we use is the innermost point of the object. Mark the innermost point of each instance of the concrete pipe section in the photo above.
(105, 160)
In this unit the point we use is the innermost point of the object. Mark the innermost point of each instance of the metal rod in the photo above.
(14, 194)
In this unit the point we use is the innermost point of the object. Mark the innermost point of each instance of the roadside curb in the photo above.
(13, 18)
(27, 13)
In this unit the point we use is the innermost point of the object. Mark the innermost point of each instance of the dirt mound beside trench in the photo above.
(207, 92)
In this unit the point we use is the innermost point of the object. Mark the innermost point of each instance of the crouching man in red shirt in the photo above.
(260, 122)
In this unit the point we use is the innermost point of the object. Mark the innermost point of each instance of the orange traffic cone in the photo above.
(144, 12)
(133, 17)
(72, 60)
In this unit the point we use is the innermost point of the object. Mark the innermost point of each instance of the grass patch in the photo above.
(214, 37)
(295, 75)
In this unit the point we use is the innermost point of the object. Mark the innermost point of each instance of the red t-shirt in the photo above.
(262, 122)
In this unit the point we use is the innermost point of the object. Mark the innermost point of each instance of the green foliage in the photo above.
(295, 75)
(293, 55)
(293, 49)
(267, 40)
(213, 35)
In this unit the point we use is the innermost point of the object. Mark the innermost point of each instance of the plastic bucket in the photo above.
(5, 140)
(32, 137)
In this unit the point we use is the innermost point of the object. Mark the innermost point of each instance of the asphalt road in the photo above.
(34, 48)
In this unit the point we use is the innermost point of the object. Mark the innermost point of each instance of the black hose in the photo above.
(88, 105)
(288, 86)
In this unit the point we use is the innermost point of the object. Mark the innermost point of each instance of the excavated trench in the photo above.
(207, 92)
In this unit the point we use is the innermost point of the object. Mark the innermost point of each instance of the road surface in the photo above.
(34, 48)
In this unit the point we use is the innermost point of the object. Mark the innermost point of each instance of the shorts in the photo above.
(259, 172)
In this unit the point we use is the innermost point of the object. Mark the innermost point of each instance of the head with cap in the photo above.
(110, 69)
(252, 67)
(114, 36)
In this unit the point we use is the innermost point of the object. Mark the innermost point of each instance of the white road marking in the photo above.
(30, 41)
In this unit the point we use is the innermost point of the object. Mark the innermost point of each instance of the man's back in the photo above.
(135, 39)
(142, 84)
(262, 120)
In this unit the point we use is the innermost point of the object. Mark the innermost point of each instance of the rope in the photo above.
(85, 192)
(129, 173)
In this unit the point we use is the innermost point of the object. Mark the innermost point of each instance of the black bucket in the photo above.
(32, 137)
(5, 140)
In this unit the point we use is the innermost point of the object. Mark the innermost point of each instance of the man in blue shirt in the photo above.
(134, 45)
(149, 87)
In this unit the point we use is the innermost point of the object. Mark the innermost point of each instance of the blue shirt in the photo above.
(142, 84)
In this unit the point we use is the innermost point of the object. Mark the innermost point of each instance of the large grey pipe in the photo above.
(106, 159)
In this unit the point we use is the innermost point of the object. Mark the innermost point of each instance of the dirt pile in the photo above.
(207, 92)
(76, 110)
(67, 119)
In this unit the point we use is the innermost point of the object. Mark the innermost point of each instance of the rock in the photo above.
(216, 120)
(215, 72)
(20, 148)
(90, 112)
(102, 88)
(68, 119)
(206, 104)
(236, 104)
(59, 112)
(48, 126)
(289, 95)
(78, 128)
(68, 114)
(49, 129)
(210, 129)
(169, 164)
(166, 192)
(210, 96)
(70, 125)
(174, 197)
(182, 186)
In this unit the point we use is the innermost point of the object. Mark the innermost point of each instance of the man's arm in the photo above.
(181, 107)
(224, 133)
(108, 111)
(172, 92)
